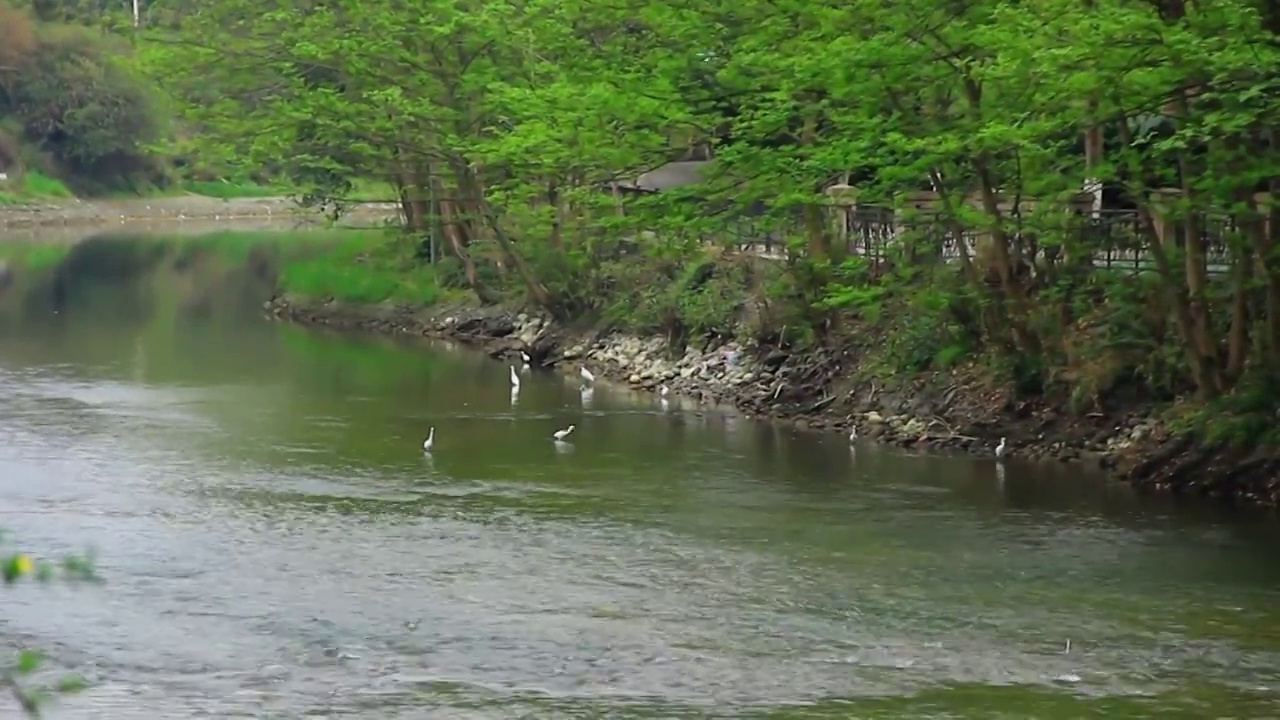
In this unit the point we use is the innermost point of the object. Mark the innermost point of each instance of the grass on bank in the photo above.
(229, 190)
(32, 186)
(365, 267)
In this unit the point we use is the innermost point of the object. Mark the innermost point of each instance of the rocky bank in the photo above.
(947, 412)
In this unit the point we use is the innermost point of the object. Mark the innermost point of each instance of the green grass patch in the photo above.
(368, 268)
(365, 190)
(32, 186)
(227, 189)
(238, 245)
(37, 184)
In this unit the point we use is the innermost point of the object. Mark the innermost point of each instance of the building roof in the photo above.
(671, 175)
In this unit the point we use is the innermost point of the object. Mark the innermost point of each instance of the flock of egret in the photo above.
(589, 379)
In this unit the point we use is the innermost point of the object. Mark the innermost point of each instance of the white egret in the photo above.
(430, 441)
(560, 435)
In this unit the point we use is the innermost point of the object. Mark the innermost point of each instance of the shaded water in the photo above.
(276, 545)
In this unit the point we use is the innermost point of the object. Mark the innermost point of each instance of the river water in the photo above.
(274, 543)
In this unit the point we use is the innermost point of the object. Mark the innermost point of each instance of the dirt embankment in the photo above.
(948, 412)
(81, 213)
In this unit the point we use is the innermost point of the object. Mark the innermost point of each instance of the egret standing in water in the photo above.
(515, 379)
(1000, 450)
(560, 435)
(853, 434)
(430, 441)
(586, 374)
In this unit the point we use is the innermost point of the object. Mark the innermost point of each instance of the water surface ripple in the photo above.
(275, 545)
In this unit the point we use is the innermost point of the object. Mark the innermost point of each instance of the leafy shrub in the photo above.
(710, 305)
(78, 103)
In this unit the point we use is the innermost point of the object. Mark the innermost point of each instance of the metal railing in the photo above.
(1114, 239)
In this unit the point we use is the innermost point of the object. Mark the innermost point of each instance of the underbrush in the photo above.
(707, 295)
(697, 296)
(1107, 344)
(1243, 419)
(683, 295)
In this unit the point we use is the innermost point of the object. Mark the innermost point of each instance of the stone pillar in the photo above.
(1162, 215)
(842, 202)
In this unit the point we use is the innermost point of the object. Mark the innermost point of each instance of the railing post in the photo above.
(842, 200)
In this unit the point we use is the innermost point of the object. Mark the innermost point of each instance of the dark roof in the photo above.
(671, 175)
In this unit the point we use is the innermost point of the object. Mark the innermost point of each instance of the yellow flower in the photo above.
(22, 563)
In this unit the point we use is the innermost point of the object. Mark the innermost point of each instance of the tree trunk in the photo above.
(557, 213)
(469, 185)
(1174, 290)
(1012, 287)
(949, 210)
(1269, 252)
(409, 189)
(455, 235)
(815, 226)
(1241, 279)
(1197, 268)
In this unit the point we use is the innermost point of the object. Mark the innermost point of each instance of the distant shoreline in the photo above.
(108, 212)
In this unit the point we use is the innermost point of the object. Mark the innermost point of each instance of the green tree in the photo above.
(506, 127)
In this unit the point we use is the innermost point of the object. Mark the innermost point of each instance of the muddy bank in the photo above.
(954, 412)
(82, 213)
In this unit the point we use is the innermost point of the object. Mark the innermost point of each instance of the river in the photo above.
(275, 544)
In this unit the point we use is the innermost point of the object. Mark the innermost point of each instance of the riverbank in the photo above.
(959, 411)
(85, 213)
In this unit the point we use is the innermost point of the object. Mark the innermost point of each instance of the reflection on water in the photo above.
(277, 543)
